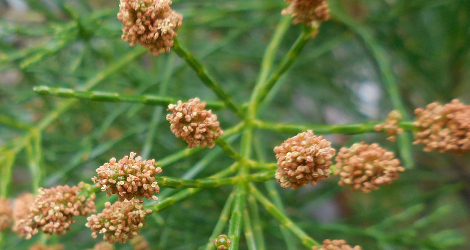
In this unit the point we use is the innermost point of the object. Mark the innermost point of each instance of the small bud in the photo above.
(222, 242)
(307, 11)
(390, 126)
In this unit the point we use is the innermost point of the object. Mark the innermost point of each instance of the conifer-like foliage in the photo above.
(203, 96)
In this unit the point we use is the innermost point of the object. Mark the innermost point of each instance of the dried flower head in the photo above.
(139, 243)
(54, 209)
(335, 245)
(40, 246)
(193, 123)
(222, 242)
(444, 128)
(151, 23)
(103, 246)
(5, 214)
(306, 11)
(119, 221)
(366, 167)
(390, 126)
(21, 211)
(129, 178)
(302, 159)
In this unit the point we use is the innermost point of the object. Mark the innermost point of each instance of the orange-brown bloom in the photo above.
(335, 245)
(366, 167)
(54, 209)
(151, 23)
(21, 210)
(194, 124)
(40, 246)
(119, 221)
(306, 11)
(129, 178)
(139, 243)
(5, 214)
(390, 126)
(302, 159)
(444, 128)
(103, 246)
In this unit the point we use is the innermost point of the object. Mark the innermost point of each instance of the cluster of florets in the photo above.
(21, 208)
(303, 159)
(151, 23)
(335, 245)
(306, 11)
(5, 214)
(222, 242)
(390, 126)
(128, 178)
(54, 209)
(119, 221)
(194, 124)
(444, 128)
(366, 167)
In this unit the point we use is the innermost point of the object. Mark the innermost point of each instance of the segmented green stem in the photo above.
(223, 218)
(173, 182)
(228, 149)
(236, 217)
(256, 225)
(247, 228)
(106, 96)
(306, 240)
(351, 128)
(261, 90)
(207, 79)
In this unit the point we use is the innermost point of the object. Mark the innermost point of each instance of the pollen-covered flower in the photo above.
(302, 159)
(390, 126)
(21, 211)
(306, 11)
(54, 209)
(335, 245)
(119, 221)
(193, 123)
(129, 178)
(366, 167)
(151, 23)
(444, 128)
(5, 214)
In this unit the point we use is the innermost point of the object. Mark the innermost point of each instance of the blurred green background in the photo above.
(52, 141)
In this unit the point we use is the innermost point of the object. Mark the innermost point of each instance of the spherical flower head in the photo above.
(303, 159)
(119, 221)
(366, 167)
(54, 209)
(151, 23)
(40, 246)
(390, 126)
(307, 11)
(21, 211)
(335, 245)
(194, 124)
(5, 214)
(444, 128)
(222, 242)
(129, 178)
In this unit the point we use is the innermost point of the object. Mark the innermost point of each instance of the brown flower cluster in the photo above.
(193, 123)
(302, 159)
(366, 167)
(53, 210)
(151, 23)
(390, 126)
(21, 208)
(444, 128)
(119, 221)
(306, 11)
(5, 214)
(139, 243)
(129, 178)
(40, 246)
(335, 245)
(103, 246)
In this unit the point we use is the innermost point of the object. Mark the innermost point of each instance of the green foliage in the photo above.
(73, 95)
